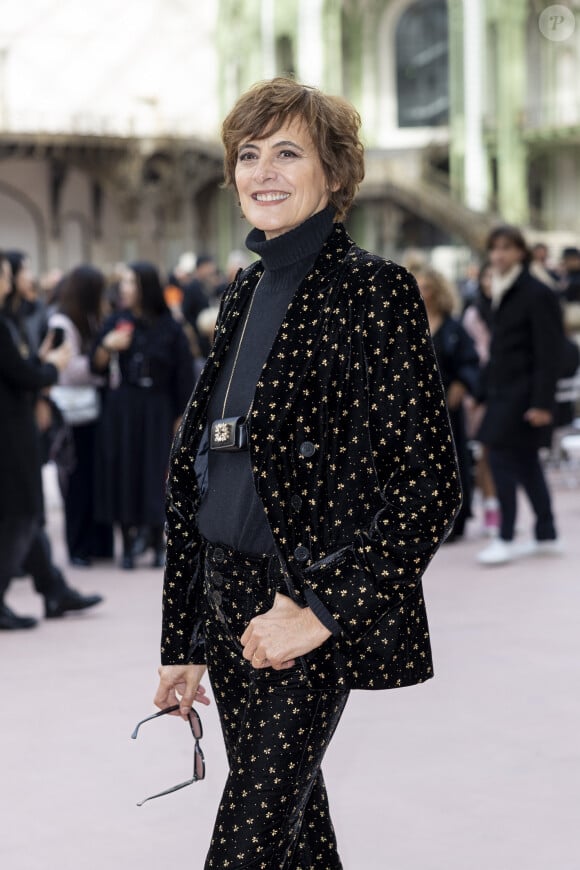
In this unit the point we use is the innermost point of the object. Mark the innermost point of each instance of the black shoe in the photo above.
(68, 600)
(80, 561)
(10, 621)
(127, 563)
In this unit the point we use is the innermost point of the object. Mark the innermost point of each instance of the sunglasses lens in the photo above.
(195, 726)
(199, 764)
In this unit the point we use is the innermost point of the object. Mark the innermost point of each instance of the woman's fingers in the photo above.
(180, 684)
(283, 666)
(165, 696)
(188, 689)
(201, 696)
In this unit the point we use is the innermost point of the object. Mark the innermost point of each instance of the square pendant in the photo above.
(229, 433)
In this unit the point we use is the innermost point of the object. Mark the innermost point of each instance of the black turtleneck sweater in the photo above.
(231, 512)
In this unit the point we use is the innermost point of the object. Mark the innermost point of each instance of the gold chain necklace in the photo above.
(231, 433)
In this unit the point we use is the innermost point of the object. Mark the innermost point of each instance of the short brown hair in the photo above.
(514, 236)
(333, 124)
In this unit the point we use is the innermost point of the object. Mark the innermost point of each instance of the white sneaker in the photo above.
(499, 552)
(540, 548)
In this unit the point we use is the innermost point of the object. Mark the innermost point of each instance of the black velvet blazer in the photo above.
(353, 459)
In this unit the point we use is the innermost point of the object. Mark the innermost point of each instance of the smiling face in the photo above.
(280, 179)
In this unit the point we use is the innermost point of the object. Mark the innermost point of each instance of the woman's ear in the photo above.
(333, 185)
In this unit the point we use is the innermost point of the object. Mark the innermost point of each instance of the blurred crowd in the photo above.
(96, 371)
(507, 336)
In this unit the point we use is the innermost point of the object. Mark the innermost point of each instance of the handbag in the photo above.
(77, 404)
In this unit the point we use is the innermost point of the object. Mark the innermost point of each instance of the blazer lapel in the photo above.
(293, 349)
(298, 339)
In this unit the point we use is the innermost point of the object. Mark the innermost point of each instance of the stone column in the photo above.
(456, 99)
(310, 42)
(475, 168)
(268, 39)
(510, 100)
(332, 46)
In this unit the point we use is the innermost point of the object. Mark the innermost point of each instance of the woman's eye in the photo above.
(246, 155)
(288, 153)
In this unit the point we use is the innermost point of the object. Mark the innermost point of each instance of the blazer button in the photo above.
(217, 579)
(307, 449)
(301, 554)
(219, 554)
(296, 502)
(217, 597)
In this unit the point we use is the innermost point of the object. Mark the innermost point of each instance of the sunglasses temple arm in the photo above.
(167, 791)
(153, 716)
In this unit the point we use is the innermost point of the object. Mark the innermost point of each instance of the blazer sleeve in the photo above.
(414, 456)
(183, 379)
(182, 639)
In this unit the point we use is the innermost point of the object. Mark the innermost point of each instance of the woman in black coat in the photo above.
(459, 367)
(311, 482)
(145, 354)
(78, 315)
(519, 389)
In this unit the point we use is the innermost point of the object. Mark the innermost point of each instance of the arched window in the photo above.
(422, 46)
(22, 226)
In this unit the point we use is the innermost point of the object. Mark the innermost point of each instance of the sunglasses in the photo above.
(198, 759)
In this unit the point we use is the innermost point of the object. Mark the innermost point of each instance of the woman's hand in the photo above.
(180, 684)
(117, 340)
(59, 356)
(455, 394)
(274, 639)
(538, 417)
(43, 414)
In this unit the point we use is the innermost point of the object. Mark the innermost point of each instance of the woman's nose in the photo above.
(264, 169)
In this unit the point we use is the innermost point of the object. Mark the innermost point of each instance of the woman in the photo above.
(22, 375)
(24, 303)
(304, 500)
(478, 323)
(148, 361)
(459, 367)
(79, 313)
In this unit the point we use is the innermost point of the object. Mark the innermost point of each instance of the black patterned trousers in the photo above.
(274, 811)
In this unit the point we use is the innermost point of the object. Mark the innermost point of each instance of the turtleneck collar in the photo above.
(296, 245)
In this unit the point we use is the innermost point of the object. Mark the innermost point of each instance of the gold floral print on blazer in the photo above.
(353, 459)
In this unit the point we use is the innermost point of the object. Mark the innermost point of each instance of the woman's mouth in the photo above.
(270, 197)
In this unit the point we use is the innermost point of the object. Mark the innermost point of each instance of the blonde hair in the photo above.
(332, 122)
(445, 296)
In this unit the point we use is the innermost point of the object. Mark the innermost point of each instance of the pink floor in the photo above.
(478, 769)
